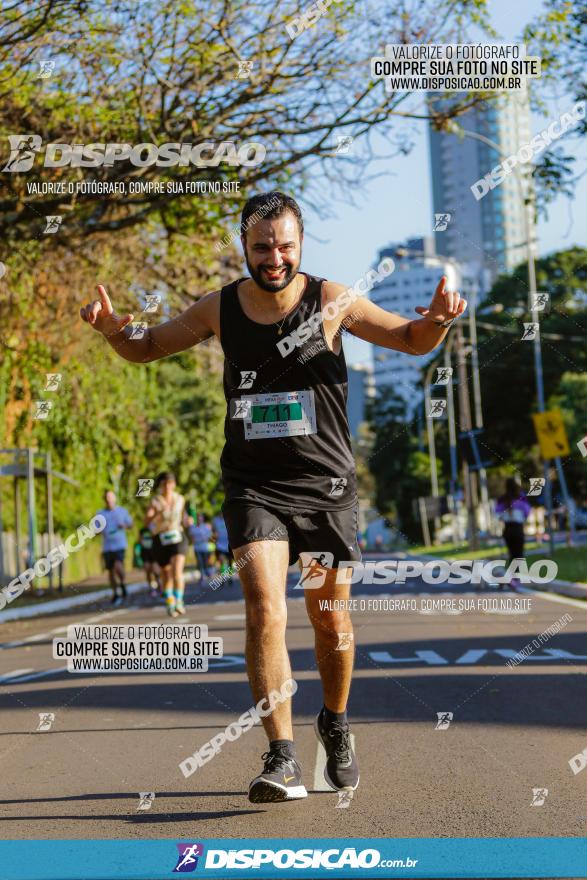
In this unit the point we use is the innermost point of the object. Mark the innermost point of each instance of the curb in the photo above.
(575, 589)
(57, 605)
(565, 588)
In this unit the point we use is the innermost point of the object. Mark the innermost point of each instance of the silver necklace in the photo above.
(293, 308)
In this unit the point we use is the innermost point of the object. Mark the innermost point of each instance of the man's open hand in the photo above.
(102, 316)
(445, 304)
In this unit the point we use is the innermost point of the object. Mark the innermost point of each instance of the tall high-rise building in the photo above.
(486, 235)
(412, 283)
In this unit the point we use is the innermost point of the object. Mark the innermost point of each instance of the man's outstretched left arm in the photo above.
(368, 321)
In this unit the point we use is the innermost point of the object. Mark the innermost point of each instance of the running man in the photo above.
(114, 544)
(287, 465)
(167, 518)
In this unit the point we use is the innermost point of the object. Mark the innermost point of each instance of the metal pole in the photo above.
(50, 535)
(529, 228)
(424, 521)
(452, 440)
(419, 420)
(477, 399)
(30, 479)
(2, 572)
(465, 425)
(450, 411)
(570, 504)
(475, 357)
(431, 441)
(17, 525)
(431, 444)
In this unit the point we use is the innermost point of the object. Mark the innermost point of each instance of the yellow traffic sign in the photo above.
(551, 433)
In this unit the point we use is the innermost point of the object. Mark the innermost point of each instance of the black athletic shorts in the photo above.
(146, 540)
(112, 556)
(163, 553)
(324, 531)
(147, 554)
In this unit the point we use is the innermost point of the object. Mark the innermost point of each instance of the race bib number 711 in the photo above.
(281, 414)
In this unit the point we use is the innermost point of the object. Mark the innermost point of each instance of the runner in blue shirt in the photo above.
(114, 543)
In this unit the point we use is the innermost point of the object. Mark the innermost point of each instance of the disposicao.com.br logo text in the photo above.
(329, 859)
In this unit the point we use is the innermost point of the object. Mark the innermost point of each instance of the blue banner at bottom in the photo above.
(285, 857)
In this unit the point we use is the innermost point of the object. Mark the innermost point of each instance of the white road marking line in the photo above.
(226, 660)
(472, 655)
(432, 658)
(320, 783)
(10, 675)
(22, 675)
(60, 629)
(26, 641)
(42, 674)
(230, 617)
(552, 597)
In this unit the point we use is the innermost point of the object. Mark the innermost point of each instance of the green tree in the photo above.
(559, 37)
(400, 467)
(508, 385)
(571, 398)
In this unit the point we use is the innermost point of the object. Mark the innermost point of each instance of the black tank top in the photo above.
(287, 435)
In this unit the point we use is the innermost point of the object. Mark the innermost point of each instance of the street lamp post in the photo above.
(465, 425)
(452, 441)
(431, 443)
(528, 215)
(477, 397)
(450, 411)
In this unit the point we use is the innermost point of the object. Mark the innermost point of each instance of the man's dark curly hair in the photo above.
(268, 205)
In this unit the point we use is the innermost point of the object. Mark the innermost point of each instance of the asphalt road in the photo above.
(514, 729)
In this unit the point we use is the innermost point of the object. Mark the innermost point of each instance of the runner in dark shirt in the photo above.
(287, 466)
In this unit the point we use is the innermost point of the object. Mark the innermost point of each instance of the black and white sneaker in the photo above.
(341, 769)
(281, 779)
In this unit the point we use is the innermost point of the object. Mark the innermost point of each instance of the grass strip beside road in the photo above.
(463, 551)
(571, 561)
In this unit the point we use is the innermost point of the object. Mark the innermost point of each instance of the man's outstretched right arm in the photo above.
(197, 323)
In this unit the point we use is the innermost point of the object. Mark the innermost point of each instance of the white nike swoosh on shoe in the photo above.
(292, 792)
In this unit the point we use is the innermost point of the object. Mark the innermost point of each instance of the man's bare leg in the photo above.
(335, 648)
(333, 630)
(119, 572)
(263, 577)
(113, 584)
(167, 578)
(177, 565)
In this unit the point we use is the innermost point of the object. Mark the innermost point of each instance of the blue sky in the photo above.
(399, 204)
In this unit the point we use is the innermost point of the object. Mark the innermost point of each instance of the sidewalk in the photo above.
(87, 596)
